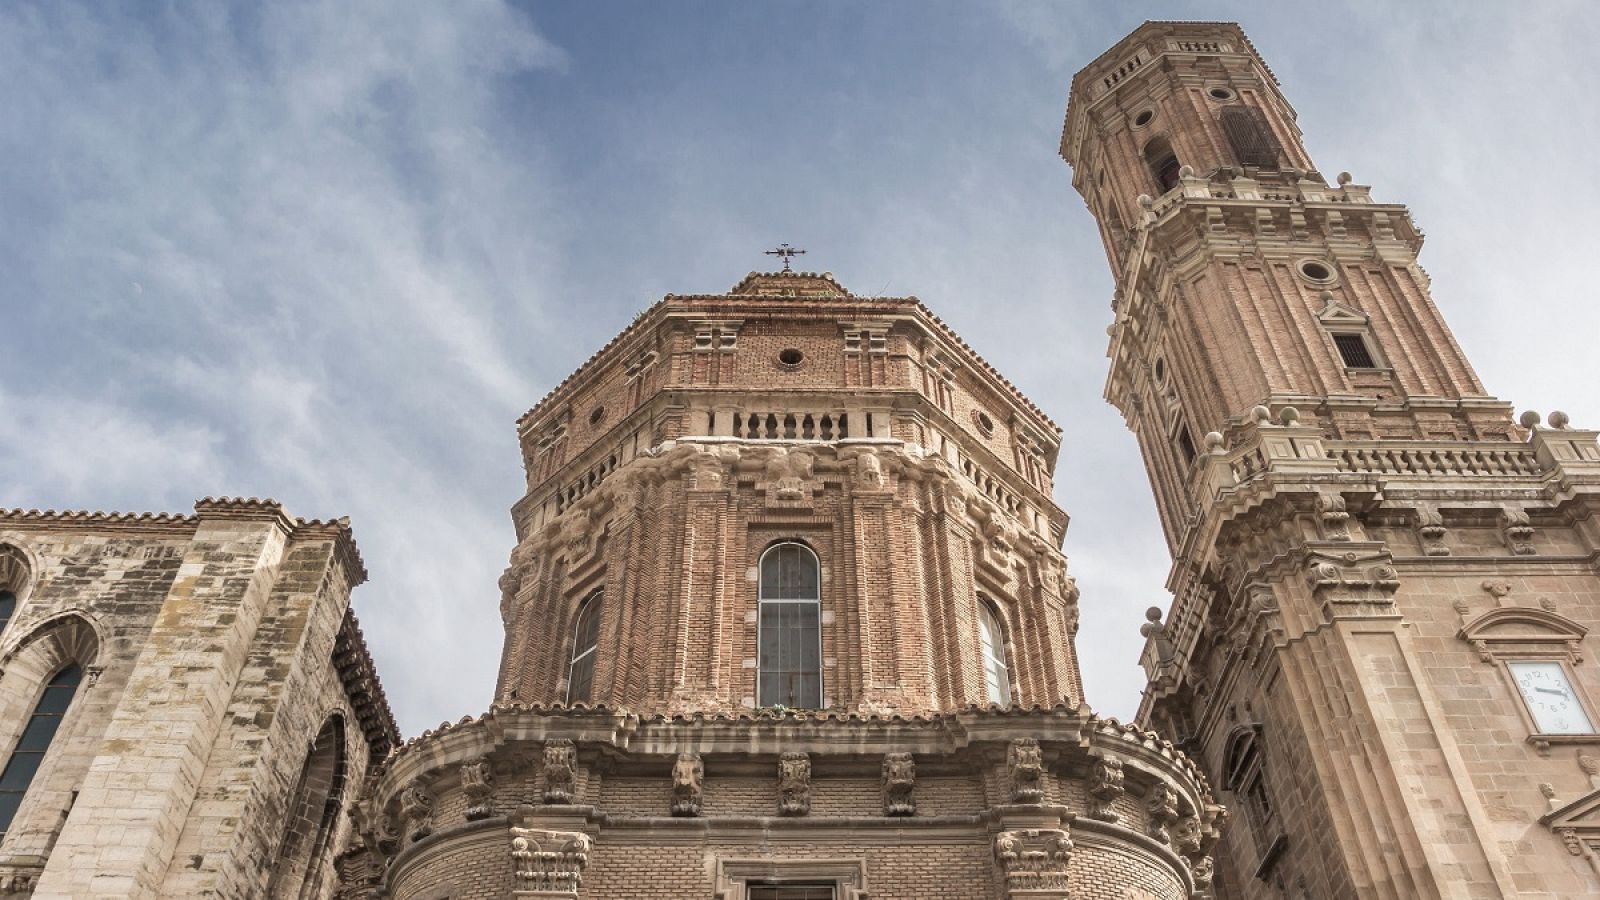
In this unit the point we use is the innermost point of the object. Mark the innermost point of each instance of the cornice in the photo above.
(359, 677)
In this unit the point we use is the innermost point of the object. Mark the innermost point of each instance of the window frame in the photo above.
(988, 611)
(762, 602)
(592, 603)
(1368, 346)
(6, 824)
(847, 876)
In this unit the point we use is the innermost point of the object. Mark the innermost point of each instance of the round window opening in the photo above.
(1220, 93)
(1143, 119)
(791, 357)
(596, 417)
(985, 424)
(1316, 271)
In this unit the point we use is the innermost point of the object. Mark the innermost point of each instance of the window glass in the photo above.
(790, 892)
(36, 738)
(996, 677)
(586, 641)
(790, 628)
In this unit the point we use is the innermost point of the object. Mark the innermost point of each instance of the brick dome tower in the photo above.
(787, 618)
(1382, 584)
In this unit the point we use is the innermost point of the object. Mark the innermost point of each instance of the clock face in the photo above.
(1550, 698)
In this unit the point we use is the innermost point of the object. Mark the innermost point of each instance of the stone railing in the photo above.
(1432, 458)
(792, 426)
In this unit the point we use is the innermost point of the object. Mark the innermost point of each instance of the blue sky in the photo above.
(329, 252)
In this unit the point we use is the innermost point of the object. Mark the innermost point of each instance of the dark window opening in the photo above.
(790, 892)
(1163, 163)
(585, 644)
(789, 626)
(8, 606)
(1353, 348)
(1250, 136)
(35, 742)
(1186, 444)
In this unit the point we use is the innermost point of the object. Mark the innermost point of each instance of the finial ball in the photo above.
(1186, 171)
(1214, 441)
(1153, 614)
(1530, 418)
(1344, 178)
(1288, 415)
(1261, 415)
(1558, 419)
(1146, 201)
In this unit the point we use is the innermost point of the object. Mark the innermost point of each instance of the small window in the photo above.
(597, 416)
(585, 644)
(1353, 349)
(1143, 118)
(1221, 94)
(35, 742)
(1313, 270)
(984, 423)
(790, 892)
(996, 675)
(8, 607)
(791, 357)
(1186, 444)
(789, 626)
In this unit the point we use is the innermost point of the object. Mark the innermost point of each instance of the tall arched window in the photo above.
(789, 628)
(8, 606)
(992, 639)
(585, 643)
(313, 814)
(1163, 163)
(35, 742)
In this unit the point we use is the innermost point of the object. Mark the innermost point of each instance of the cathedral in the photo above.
(788, 616)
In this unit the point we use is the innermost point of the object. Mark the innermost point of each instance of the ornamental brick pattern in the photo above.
(1366, 547)
(712, 429)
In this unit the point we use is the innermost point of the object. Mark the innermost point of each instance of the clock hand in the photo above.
(1546, 690)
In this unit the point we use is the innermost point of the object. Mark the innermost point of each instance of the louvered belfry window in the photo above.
(1250, 136)
(790, 628)
(1353, 348)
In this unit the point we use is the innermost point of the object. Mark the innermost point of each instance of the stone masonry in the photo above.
(1370, 556)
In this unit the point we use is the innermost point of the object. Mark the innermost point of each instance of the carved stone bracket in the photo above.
(1334, 517)
(1034, 862)
(560, 767)
(1519, 532)
(416, 809)
(549, 863)
(1105, 786)
(787, 481)
(899, 779)
(477, 783)
(688, 783)
(1361, 579)
(1025, 763)
(794, 784)
(1162, 805)
(1431, 528)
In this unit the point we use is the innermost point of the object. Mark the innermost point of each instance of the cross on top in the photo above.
(785, 253)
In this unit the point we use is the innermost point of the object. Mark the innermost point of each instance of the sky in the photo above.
(328, 252)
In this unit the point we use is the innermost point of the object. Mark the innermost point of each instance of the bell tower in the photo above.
(1355, 522)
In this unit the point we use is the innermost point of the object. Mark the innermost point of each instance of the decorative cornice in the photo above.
(353, 661)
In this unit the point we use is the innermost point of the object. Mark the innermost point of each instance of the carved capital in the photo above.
(1034, 862)
(549, 863)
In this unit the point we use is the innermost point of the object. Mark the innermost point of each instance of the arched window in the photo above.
(992, 639)
(313, 814)
(585, 643)
(8, 606)
(1163, 163)
(35, 742)
(789, 628)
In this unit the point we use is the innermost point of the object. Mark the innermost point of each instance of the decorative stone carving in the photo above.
(788, 476)
(1519, 532)
(1498, 588)
(1430, 525)
(1203, 871)
(1186, 836)
(1105, 786)
(899, 778)
(1162, 806)
(1569, 838)
(1335, 519)
(1026, 765)
(416, 809)
(688, 783)
(1034, 861)
(477, 783)
(560, 767)
(1591, 767)
(549, 863)
(1361, 580)
(794, 784)
(869, 471)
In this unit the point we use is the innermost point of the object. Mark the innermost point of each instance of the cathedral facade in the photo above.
(787, 616)
(1383, 584)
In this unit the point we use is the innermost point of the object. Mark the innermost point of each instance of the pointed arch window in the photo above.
(35, 741)
(992, 640)
(789, 628)
(585, 645)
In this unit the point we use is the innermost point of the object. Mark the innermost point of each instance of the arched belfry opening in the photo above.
(1163, 163)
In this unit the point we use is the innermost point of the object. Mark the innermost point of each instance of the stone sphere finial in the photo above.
(1530, 419)
(1289, 415)
(1344, 178)
(1186, 171)
(1261, 415)
(1152, 623)
(1327, 297)
(1146, 201)
(1214, 442)
(1153, 614)
(1558, 419)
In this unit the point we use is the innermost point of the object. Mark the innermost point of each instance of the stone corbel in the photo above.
(1518, 532)
(788, 480)
(549, 864)
(1034, 862)
(1355, 579)
(1431, 528)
